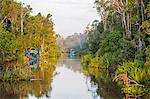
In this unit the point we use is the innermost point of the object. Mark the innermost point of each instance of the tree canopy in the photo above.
(121, 39)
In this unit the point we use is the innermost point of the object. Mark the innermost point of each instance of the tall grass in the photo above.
(14, 74)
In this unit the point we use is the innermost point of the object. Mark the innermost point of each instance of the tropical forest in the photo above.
(41, 59)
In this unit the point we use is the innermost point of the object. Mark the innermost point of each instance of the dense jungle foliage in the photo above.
(20, 30)
(120, 43)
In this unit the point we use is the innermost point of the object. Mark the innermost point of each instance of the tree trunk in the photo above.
(124, 22)
(139, 38)
(128, 25)
(104, 23)
(43, 43)
(0, 6)
(22, 21)
(142, 11)
(140, 43)
(30, 37)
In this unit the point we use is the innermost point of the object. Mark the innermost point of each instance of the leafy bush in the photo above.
(14, 74)
(7, 45)
(147, 53)
(127, 67)
(139, 75)
(135, 71)
(135, 90)
(96, 64)
(86, 61)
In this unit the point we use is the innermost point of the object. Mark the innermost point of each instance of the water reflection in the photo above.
(70, 63)
(70, 83)
(66, 81)
(23, 89)
(30, 89)
(106, 88)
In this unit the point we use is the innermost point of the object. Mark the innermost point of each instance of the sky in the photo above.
(69, 16)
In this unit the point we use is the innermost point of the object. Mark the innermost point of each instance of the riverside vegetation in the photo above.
(20, 30)
(120, 44)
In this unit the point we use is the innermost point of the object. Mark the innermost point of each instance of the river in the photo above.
(66, 81)
(70, 83)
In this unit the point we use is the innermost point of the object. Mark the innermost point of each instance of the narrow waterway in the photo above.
(70, 83)
(66, 81)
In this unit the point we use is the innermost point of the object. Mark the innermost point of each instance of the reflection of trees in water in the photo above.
(92, 86)
(100, 83)
(35, 88)
(73, 64)
(23, 89)
(147, 96)
(106, 88)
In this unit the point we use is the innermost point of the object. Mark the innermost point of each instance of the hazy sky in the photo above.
(69, 16)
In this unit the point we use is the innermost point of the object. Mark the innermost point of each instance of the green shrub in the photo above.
(135, 71)
(147, 53)
(127, 67)
(7, 45)
(97, 62)
(138, 74)
(95, 65)
(86, 61)
(14, 74)
(135, 90)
